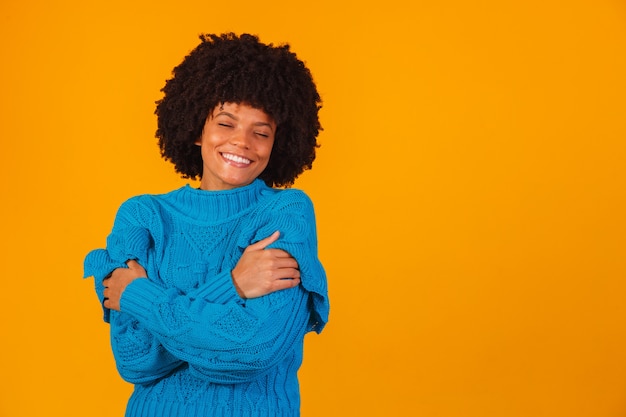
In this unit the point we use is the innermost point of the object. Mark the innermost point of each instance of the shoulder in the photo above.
(137, 222)
(142, 208)
(288, 200)
(288, 210)
(135, 207)
(144, 201)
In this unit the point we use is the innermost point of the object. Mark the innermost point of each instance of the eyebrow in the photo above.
(232, 116)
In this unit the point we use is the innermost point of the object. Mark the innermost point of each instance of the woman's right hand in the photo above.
(118, 280)
(262, 271)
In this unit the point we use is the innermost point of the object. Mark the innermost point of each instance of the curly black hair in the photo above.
(228, 68)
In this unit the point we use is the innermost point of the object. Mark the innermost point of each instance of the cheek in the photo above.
(268, 148)
(267, 153)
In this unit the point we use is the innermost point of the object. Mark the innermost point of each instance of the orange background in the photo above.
(470, 194)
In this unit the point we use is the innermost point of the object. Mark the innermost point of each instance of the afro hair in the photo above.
(228, 68)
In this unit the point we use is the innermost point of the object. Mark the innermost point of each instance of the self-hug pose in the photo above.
(209, 291)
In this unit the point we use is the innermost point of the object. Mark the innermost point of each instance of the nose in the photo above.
(241, 139)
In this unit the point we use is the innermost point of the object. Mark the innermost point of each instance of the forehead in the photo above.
(241, 111)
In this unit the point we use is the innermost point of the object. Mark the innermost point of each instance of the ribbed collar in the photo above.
(202, 207)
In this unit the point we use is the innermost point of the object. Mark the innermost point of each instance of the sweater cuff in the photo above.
(139, 298)
(219, 290)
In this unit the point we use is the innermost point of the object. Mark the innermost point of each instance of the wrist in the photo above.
(237, 288)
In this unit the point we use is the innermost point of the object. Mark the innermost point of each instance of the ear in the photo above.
(198, 142)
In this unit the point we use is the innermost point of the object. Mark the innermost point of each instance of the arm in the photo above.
(231, 342)
(98, 264)
(232, 314)
(294, 216)
(140, 357)
(258, 272)
(138, 354)
(223, 343)
(129, 239)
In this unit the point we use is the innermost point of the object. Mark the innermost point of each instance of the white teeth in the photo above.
(235, 158)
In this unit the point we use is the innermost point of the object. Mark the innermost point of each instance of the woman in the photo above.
(209, 292)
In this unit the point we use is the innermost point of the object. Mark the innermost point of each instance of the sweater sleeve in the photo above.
(129, 239)
(138, 354)
(98, 264)
(223, 343)
(291, 212)
(233, 342)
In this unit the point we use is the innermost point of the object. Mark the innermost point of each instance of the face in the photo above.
(236, 145)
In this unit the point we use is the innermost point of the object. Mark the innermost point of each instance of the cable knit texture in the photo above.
(184, 337)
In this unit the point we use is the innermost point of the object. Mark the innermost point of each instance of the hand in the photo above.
(116, 283)
(262, 271)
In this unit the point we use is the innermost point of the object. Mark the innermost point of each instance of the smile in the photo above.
(236, 159)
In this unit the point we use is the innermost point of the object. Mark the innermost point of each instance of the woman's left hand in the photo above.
(116, 283)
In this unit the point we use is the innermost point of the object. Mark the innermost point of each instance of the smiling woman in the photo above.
(241, 71)
(209, 292)
(236, 144)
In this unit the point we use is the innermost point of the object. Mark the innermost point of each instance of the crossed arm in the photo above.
(144, 354)
(154, 330)
(260, 271)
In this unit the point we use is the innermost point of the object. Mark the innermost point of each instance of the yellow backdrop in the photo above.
(470, 194)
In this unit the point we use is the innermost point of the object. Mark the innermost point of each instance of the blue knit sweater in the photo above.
(184, 337)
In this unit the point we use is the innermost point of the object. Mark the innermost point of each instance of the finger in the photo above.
(110, 305)
(132, 263)
(285, 273)
(279, 253)
(136, 266)
(263, 243)
(283, 284)
(285, 263)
